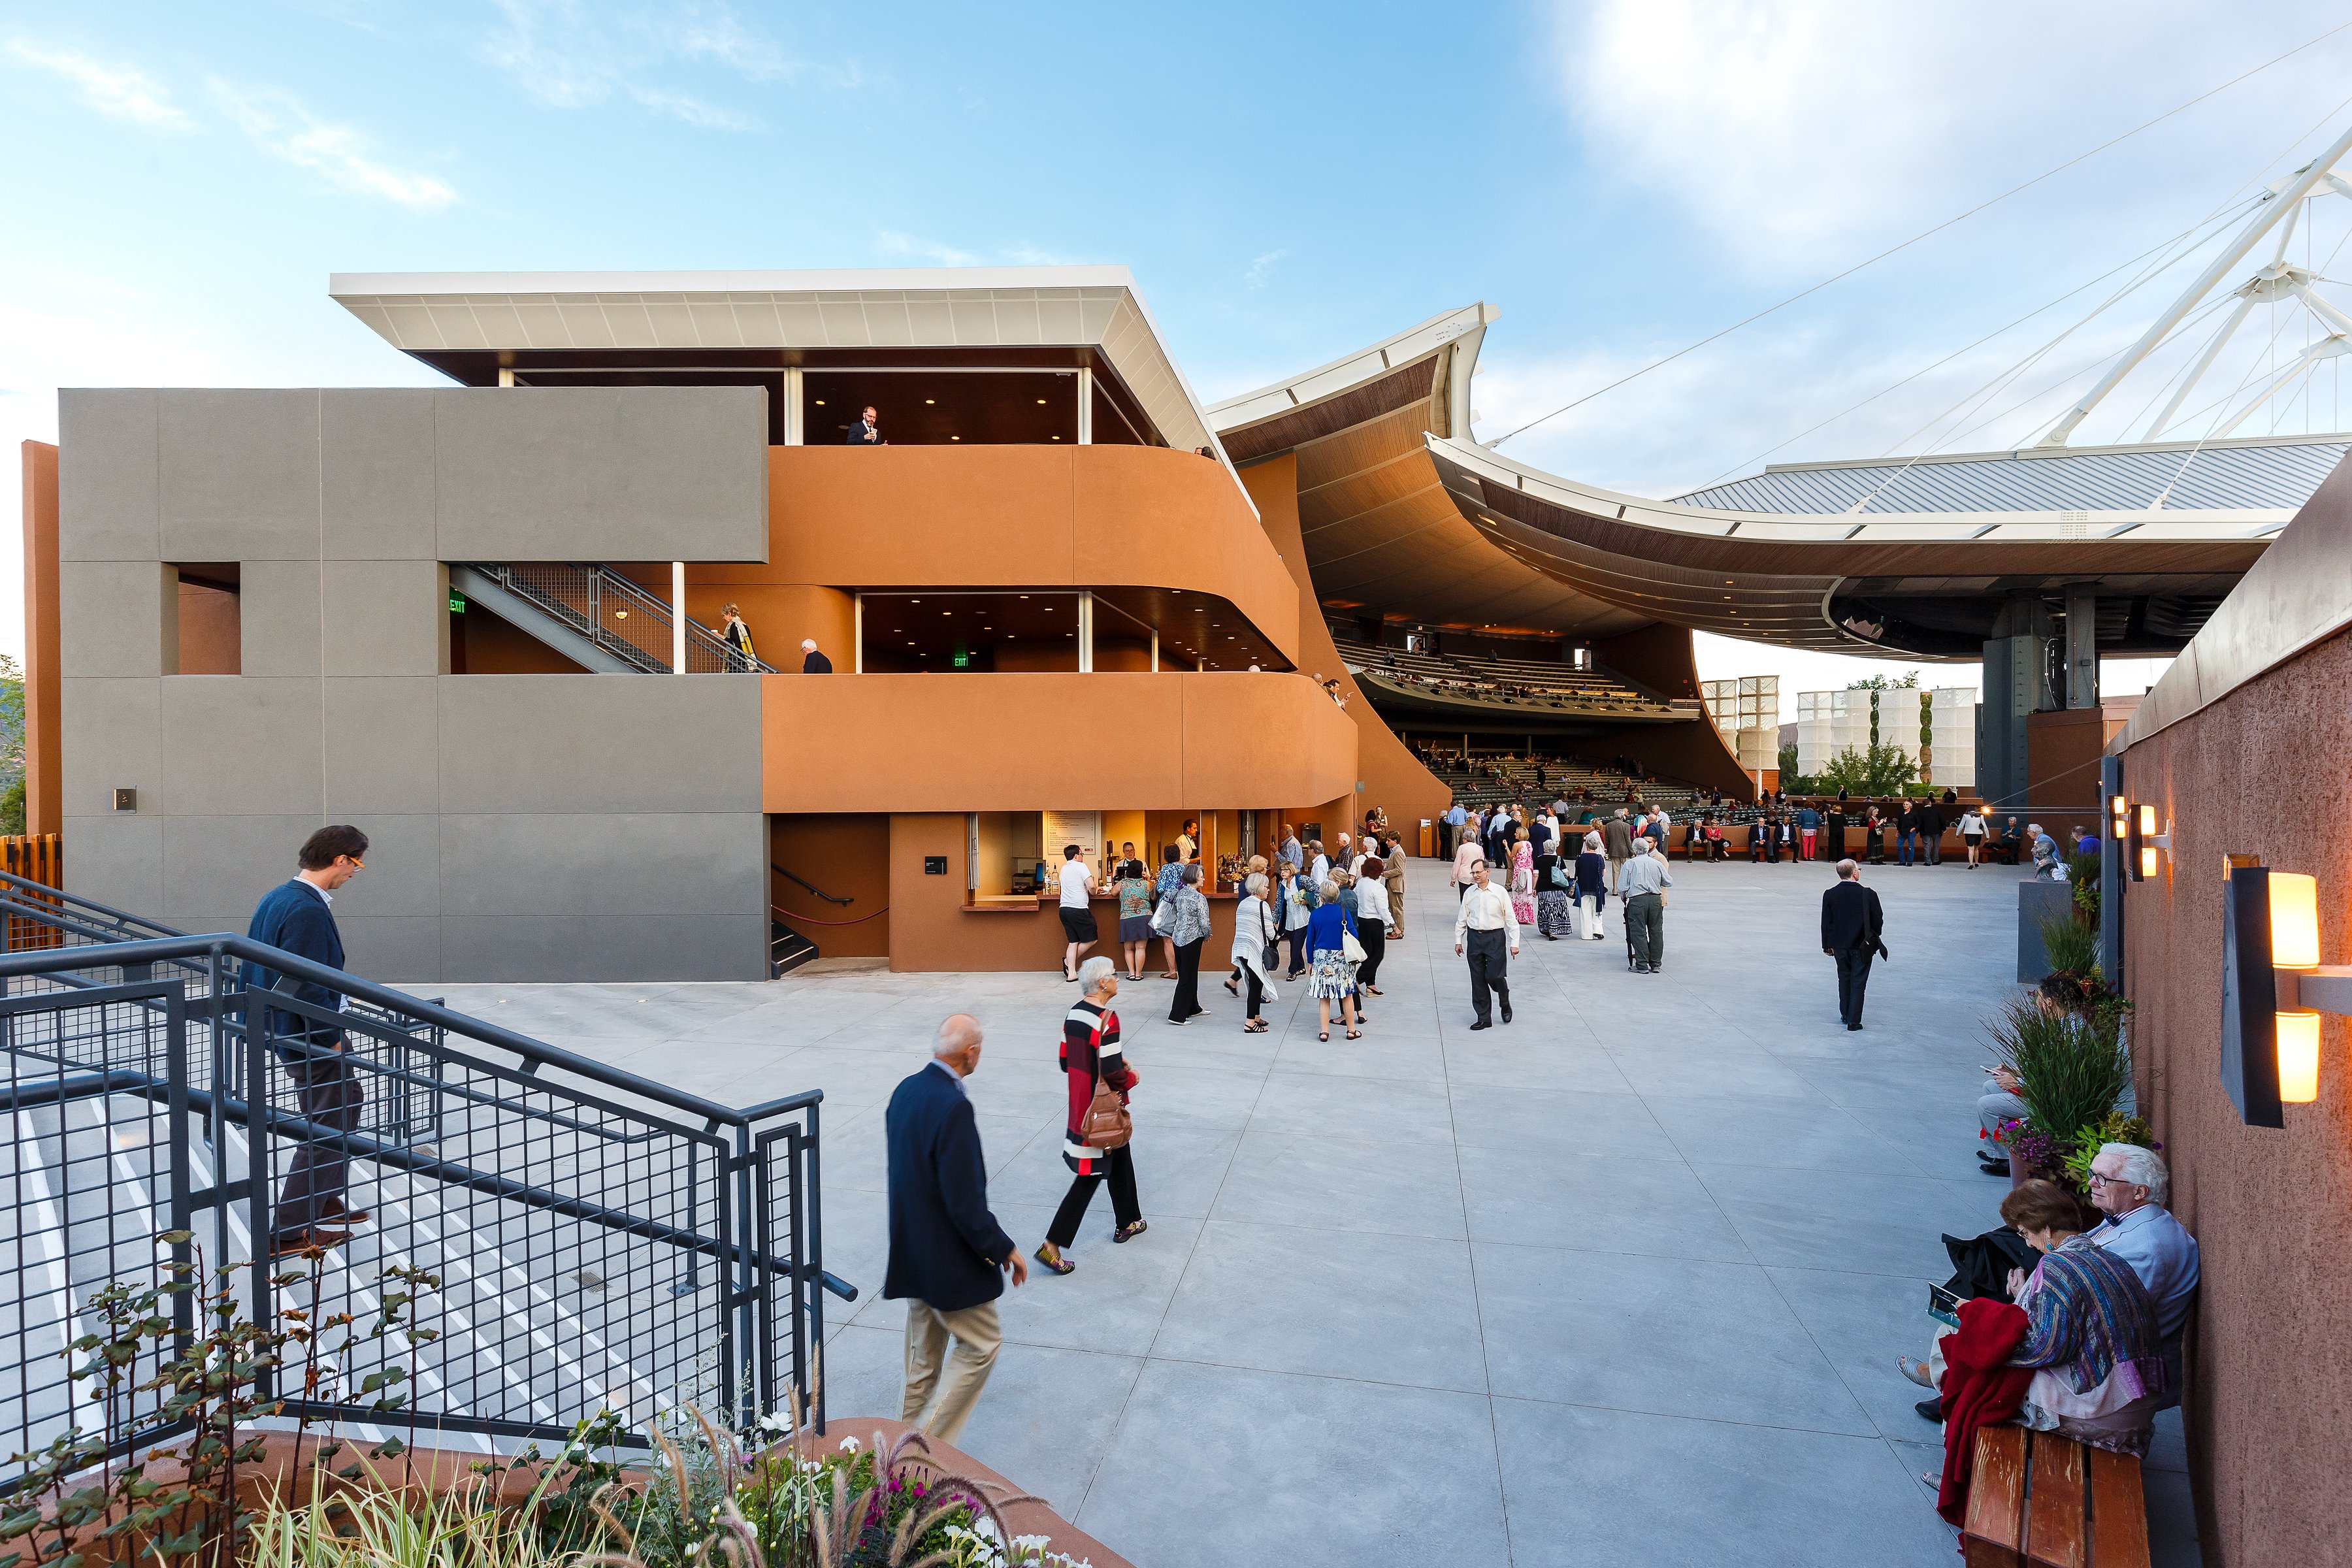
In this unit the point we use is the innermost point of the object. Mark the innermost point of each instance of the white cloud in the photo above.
(567, 57)
(118, 92)
(890, 242)
(1261, 267)
(281, 127)
(1798, 131)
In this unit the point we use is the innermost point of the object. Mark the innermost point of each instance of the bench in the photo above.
(2037, 1499)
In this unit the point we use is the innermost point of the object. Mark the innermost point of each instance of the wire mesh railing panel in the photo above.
(531, 1238)
(580, 1243)
(88, 1185)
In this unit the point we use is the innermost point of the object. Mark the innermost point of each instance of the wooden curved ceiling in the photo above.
(1382, 535)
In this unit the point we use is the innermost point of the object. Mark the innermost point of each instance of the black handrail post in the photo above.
(182, 1214)
(261, 1219)
(816, 1267)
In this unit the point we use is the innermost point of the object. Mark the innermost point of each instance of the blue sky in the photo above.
(1288, 183)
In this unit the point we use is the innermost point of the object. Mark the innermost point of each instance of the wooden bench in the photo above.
(2037, 1499)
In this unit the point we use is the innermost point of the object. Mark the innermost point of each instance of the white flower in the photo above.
(849, 1445)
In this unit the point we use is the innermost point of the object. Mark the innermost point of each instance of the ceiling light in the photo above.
(1041, 403)
(955, 437)
(1058, 437)
(620, 615)
(820, 403)
(928, 401)
(947, 612)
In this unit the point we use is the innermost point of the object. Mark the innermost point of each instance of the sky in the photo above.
(1622, 178)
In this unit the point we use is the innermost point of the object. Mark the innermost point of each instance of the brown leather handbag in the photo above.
(1106, 1125)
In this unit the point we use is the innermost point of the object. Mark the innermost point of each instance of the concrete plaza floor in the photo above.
(1621, 1282)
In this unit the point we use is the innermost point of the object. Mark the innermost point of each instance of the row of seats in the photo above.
(1516, 683)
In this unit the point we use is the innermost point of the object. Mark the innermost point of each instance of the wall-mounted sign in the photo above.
(1083, 829)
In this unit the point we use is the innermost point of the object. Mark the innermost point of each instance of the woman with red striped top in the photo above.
(1091, 1055)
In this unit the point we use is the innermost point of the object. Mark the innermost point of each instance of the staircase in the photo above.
(595, 618)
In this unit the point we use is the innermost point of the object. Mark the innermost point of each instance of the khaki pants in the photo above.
(977, 1338)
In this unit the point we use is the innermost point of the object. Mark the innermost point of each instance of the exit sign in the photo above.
(963, 661)
(456, 604)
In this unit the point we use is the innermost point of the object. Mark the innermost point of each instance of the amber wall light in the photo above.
(2274, 989)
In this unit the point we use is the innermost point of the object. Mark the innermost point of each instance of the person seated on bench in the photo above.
(1712, 843)
(2092, 1338)
(2128, 1187)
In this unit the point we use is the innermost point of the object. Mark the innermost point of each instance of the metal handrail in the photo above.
(172, 949)
(581, 603)
(812, 886)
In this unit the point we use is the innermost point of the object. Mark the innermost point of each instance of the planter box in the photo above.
(2038, 901)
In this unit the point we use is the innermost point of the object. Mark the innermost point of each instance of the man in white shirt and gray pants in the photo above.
(1484, 926)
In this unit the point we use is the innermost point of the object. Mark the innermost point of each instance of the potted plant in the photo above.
(2072, 1069)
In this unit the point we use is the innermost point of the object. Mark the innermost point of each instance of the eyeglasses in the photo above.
(2100, 1179)
(357, 864)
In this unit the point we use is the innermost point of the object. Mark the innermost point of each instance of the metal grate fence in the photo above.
(602, 1242)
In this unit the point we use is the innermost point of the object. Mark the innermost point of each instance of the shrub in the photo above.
(2071, 947)
(2072, 1069)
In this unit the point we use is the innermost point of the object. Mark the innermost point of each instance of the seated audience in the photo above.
(2092, 1339)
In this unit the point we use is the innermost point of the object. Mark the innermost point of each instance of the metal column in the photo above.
(2082, 646)
(2014, 687)
(1085, 407)
(1086, 634)
(677, 617)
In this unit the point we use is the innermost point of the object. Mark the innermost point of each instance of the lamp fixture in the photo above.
(2274, 989)
(2134, 825)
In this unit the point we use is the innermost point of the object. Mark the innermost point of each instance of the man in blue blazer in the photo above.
(298, 916)
(947, 1251)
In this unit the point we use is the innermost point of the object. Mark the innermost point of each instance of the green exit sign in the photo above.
(963, 661)
(456, 604)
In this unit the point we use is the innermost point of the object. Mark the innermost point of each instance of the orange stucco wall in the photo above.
(44, 801)
(847, 856)
(981, 517)
(1392, 776)
(1177, 741)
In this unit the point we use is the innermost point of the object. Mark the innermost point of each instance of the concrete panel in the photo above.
(383, 755)
(238, 746)
(385, 618)
(391, 950)
(665, 473)
(112, 617)
(111, 739)
(404, 869)
(106, 476)
(116, 860)
(216, 866)
(239, 474)
(604, 948)
(630, 864)
(599, 743)
(278, 618)
(375, 485)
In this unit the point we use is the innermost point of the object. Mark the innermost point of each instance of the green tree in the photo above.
(1789, 764)
(1908, 681)
(1881, 770)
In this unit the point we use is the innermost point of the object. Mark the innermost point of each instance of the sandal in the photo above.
(1354, 1034)
(1129, 1231)
(1374, 991)
(1050, 1258)
(1232, 989)
(1916, 1371)
(1167, 974)
(1326, 1035)
(1254, 1026)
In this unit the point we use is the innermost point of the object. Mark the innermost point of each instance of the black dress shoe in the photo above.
(1853, 1028)
(1993, 1167)
(1482, 1023)
(1506, 1012)
(1933, 1409)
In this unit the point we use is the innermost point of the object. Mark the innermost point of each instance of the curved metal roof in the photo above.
(2277, 472)
(1912, 555)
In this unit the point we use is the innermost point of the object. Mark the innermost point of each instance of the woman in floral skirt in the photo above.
(1523, 877)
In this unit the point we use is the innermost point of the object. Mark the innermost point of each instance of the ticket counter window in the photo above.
(1008, 858)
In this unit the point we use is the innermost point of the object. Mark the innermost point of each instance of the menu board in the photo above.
(1083, 829)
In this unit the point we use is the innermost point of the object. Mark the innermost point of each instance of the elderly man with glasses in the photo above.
(2130, 1186)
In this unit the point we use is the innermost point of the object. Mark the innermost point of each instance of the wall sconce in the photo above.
(2135, 825)
(2274, 989)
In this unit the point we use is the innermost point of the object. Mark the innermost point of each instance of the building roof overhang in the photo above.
(461, 323)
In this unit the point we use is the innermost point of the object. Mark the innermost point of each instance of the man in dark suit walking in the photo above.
(296, 916)
(946, 1248)
(1851, 921)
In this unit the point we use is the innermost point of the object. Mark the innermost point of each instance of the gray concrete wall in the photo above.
(524, 827)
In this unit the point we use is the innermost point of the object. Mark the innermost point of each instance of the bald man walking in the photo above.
(947, 1254)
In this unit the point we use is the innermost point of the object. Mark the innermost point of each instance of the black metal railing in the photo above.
(599, 604)
(604, 1242)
